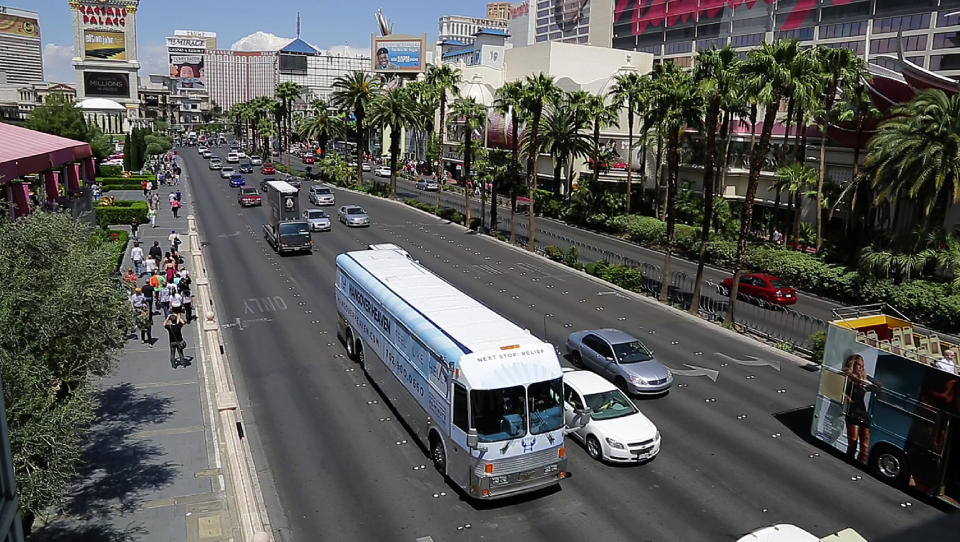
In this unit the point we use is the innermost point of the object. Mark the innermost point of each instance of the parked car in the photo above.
(227, 172)
(249, 196)
(620, 358)
(309, 159)
(366, 167)
(318, 219)
(382, 171)
(236, 181)
(268, 169)
(353, 215)
(428, 184)
(215, 163)
(762, 286)
(617, 431)
(322, 195)
(246, 168)
(256, 160)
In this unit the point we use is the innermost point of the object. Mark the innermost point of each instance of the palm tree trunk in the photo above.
(596, 153)
(360, 146)
(673, 167)
(629, 154)
(797, 211)
(394, 153)
(820, 179)
(514, 173)
(753, 127)
(659, 208)
(721, 175)
(443, 114)
(857, 222)
(643, 154)
(746, 221)
(494, 186)
(708, 189)
(467, 144)
(533, 154)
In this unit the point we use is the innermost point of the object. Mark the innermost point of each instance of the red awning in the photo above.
(24, 151)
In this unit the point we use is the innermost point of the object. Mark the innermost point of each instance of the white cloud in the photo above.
(58, 63)
(346, 50)
(260, 41)
(153, 60)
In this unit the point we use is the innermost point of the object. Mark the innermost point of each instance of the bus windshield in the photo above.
(499, 414)
(546, 414)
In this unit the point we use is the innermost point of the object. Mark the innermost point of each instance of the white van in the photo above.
(233, 158)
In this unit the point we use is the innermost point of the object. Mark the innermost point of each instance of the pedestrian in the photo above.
(136, 299)
(149, 187)
(178, 195)
(169, 267)
(148, 295)
(149, 266)
(187, 300)
(176, 298)
(152, 216)
(130, 277)
(164, 295)
(143, 184)
(175, 207)
(174, 326)
(135, 229)
(145, 323)
(155, 199)
(136, 255)
(174, 240)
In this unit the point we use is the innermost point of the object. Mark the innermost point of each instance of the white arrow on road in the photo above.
(234, 234)
(618, 294)
(752, 361)
(696, 371)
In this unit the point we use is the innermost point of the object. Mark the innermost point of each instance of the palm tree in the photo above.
(857, 107)
(796, 178)
(766, 73)
(472, 115)
(716, 73)
(320, 126)
(629, 90)
(353, 93)
(683, 107)
(537, 90)
(443, 78)
(396, 110)
(839, 67)
(600, 114)
(287, 92)
(917, 151)
(508, 102)
(266, 128)
(563, 140)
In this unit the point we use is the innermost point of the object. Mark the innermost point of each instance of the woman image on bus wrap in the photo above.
(857, 417)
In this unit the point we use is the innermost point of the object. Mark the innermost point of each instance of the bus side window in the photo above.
(460, 418)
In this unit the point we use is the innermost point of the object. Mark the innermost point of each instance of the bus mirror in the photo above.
(472, 439)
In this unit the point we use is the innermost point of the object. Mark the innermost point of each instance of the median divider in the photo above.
(246, 497)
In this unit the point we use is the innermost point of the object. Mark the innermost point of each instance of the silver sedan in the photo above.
(353, 216)
(620, 358)
(318, 220)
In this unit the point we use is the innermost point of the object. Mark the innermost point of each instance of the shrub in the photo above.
(122, 212)
(687, 239)
(572, 257)
(474, 224)
(647, 230)
(553, 252)
(819, 341)
(111, 171)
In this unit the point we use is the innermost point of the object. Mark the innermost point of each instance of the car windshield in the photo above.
(316, 214)
(498, 414)
(632, 352)
(777, 283)
(323, 191)
(355, 211)
(546, 414)
(294, 227)
(248, 191)
(610, 404)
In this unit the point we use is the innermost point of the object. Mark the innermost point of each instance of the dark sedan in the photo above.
(246, 168)
(620, 358)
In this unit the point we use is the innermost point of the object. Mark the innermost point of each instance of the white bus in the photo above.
(482, 395)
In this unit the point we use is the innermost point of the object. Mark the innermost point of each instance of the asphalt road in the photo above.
(337, 465)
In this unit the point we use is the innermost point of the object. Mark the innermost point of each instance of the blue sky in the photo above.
(349, 22)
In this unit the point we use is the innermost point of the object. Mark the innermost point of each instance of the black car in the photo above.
(263, 183)
(293, 181)
(246, 168)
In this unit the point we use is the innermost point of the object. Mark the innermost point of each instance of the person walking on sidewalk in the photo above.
(176, 299)
(145, 323)
(137, 300)
(156, 251)
(164, 295)
(175, 207)
(149, 187)
(136, 254)
(143, 184)
(152, 216)
(149, 266)
(174, 326)
(135, 229)
(155, 200)
(187, 300)
(174, 240)
(148, 294)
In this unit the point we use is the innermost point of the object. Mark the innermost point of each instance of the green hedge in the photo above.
(121, 239)
(443, 212)
(122, 212)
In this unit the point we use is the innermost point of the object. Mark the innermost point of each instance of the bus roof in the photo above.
(453, 324)
(282, 187)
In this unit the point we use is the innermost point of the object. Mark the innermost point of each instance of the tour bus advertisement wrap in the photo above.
(887, 411)
(394, 336)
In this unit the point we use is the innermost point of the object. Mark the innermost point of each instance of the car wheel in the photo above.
(438, 455)
(593, 448)
(349, 340)
(890, 465)
(576, 359)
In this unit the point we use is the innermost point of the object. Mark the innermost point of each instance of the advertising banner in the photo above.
(19, 26)
(104, 45)
(106, 84)
(393, 54)
(187, 69)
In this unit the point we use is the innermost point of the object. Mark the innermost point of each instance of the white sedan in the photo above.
(617, 431)
(382, 171)
(256, 161)
(227, 172)
(366, 167)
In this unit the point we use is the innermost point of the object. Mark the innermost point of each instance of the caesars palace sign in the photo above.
(103, 15)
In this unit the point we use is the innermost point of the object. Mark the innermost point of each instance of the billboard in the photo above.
(106, 84)
(19, 26)
(398, 54)
(293, 64)
(104, 45)
(187, 69)
(209, 37)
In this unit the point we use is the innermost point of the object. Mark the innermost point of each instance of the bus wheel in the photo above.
(890, 465)
(358, 352)
(349, 341)
(438, 455)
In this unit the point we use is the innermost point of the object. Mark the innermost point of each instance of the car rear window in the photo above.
(294, 227)
(777, 283)
(355, 211)
(317, 214)
(248, 191)
(324, 191)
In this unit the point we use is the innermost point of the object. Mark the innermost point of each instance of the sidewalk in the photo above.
(152, 462)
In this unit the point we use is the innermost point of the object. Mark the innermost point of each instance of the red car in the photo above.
(268, 169)
(766, 287)
(309, 159)
(248, 196)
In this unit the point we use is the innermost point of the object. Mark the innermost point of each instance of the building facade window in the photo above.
(946, 40)
(889, 45)
(802, 34)
(679, 47)
(749, 40)
(945, 62)
(858, 47)
(905, 22)
(843, 30)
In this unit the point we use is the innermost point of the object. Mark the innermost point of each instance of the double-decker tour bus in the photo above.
(889, 398)
(481, 394)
